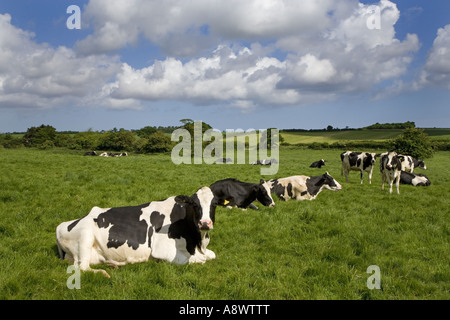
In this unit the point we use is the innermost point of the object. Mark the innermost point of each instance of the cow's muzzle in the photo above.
(205, 225)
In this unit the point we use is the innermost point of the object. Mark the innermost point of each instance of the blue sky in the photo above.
(233, 64)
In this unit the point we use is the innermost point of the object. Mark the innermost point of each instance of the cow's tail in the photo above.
(61, 253)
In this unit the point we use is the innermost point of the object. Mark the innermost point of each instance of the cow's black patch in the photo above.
(183, 226)
(127, 227)
(304, 193)
(289, 190)
(157, 220)
(72, 225)
(313, 184)
(278, 189)
(353, 158)
(367, 161)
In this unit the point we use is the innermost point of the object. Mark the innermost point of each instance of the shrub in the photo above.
(158, 142)
(36, 136)
(116, 140)
(414, 142)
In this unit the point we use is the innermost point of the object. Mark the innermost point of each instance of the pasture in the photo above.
(316, 249)
(356, 135)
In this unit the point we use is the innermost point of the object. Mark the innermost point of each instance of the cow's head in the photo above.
(329, 182)
(421, 164)
(201, 208)
(392, 161)
(369, 159)
(263, 194)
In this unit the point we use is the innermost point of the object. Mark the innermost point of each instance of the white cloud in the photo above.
(331, 52)
(436, 71)
(317, 51)
(36, 75)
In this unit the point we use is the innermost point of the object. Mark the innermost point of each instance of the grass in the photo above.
(316, 249)
(358, 135)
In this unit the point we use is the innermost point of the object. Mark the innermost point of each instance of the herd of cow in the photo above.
(176, 229)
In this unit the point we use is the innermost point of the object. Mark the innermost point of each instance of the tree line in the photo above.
(412, 141)
(145, 140)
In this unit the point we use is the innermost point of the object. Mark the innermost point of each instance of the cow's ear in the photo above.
(183, 199)
(261, 181)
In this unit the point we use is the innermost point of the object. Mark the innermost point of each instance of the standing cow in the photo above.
(174, 230)
(358, 161)
(390, 168)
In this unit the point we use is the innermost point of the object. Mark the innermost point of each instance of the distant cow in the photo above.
(302, 187)
(232, 192)
(414, 179)
(224, 160)
(174, 230)
(317, 164)
(409, 163)
(358, 161)
(390, 168)
(265, 162)
(90, 153)
(110, 154)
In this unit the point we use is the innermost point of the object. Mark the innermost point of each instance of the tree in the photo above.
(121, 140)
(414, 142)
(146, 132)
(36, 136)
(158, 142)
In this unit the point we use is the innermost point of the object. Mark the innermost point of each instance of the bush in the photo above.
(157, 142)
(414, 142)
(121, 140)
(36, 136)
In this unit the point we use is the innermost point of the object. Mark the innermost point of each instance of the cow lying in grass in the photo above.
(174, 230)
(303, 187)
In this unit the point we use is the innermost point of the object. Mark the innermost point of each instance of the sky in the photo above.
(234, 64)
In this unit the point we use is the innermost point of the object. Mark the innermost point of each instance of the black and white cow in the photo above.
(409, 163)
(224, 160)
(110, 154)
(390, 168)
(174, 230)
(414, 179)
(302, 187)
(265, 162)
(232, 192)
(317, 164)
(358, 161)
(90, 153)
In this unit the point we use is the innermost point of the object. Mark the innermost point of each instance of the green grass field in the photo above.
(352, 135)
(316, 249)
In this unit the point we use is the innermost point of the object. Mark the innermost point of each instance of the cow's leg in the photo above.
(346, 175)
(391, 181)
(370, 176)
(83, 259)
(397, 184)
(383, 179)
(362, 176)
